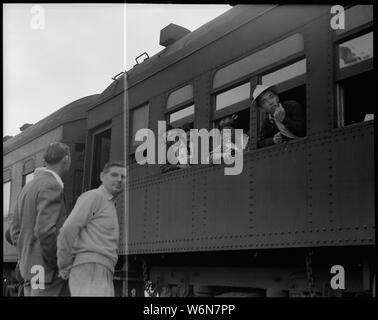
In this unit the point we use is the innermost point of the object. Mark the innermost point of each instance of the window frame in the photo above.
(180, 106)
(24, 175)
(132, 147)
(94, 133)
(253, 78)
(286, 85)
(10, 197)
(341, 74)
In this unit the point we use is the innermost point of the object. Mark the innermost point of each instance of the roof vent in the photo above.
(25, 126)
(171, 33)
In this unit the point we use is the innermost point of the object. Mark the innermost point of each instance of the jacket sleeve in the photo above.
(295, 121)
(85, 207)
(14, 227)
(265, 138)
(49, 208)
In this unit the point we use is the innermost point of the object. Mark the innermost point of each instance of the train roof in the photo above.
(193, 41)
(73, 111)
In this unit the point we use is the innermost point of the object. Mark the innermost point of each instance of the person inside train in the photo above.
(286, 120)
(87, 246)
(229, 146)
(38, 215)
(180, 153)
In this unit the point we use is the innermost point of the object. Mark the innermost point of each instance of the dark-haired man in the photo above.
(38, 215)
(285, 120)
(88, 240)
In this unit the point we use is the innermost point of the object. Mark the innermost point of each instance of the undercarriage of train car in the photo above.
(296, 272)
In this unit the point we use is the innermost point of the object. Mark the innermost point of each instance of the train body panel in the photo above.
(200, 228)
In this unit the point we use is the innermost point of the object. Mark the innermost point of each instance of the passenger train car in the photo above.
(23, 153)
(297, 209)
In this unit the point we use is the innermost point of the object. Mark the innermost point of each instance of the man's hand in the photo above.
(64, 273)
(277, 138)
(279, 114)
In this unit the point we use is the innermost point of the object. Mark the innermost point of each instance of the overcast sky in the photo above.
(79, 49)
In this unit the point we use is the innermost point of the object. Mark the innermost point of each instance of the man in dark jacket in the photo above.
(286, 120)
(38, 215)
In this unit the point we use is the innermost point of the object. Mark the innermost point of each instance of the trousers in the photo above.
(56, 288)
(91, 280)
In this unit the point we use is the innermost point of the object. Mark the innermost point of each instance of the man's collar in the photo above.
(56, 176)
(109, 196)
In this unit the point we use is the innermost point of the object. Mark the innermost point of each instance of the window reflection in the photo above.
(232, 96)
(27, 177)
(356, 50)
(6, 198)
(183, 113)
(286, 73)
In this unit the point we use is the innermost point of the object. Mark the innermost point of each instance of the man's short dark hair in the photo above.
(113, 163)
(55, 152)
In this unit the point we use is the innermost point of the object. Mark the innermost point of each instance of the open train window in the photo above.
(354, 79)
(234, 101)
(28, 171)
(101, 154)
(290, 81)
(6, 198)
(139, 120)
(27, 177)
(180, 108)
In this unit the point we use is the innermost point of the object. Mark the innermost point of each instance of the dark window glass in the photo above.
(101, 155)
(356, 99)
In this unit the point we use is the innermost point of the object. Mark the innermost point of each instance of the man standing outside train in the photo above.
(38, 215)
(285, 120)
(88, 241)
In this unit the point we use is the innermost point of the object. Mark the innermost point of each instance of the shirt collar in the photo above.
(56, 176)
(107, 193)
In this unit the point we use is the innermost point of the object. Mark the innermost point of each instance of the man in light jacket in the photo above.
(38, 215)
(88, 240)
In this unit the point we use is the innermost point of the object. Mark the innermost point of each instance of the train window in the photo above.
(101, 155)
(235, 102)
(280, 50)
(356, 50)
(291, 84)
(139, 121)
(178, 118)
(232, 96)
(27, 177)
(284, 74)
(180, 108)
(354, 75)
(179, 96)
(6, 198)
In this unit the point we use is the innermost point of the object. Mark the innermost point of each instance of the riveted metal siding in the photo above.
(175, 207)
(319, 193)
(227, 203)
(353, 183)
(280, 184)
